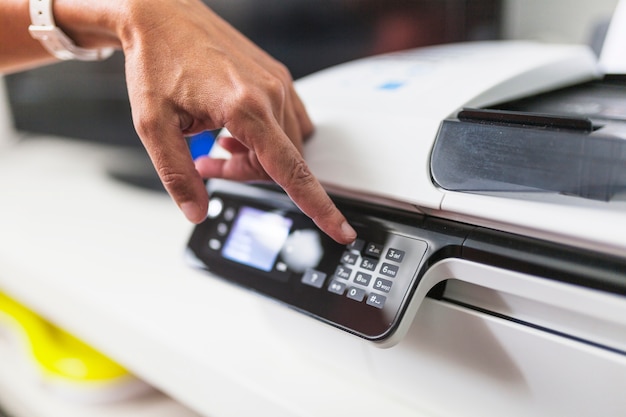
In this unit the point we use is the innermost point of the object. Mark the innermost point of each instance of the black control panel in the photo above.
(257, 238)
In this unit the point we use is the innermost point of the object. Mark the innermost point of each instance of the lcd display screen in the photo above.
(256, 238)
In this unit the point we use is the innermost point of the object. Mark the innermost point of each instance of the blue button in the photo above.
(201, 144)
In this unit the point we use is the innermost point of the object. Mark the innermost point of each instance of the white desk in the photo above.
(105, 261)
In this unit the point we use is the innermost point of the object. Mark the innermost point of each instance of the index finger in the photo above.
(287, 167)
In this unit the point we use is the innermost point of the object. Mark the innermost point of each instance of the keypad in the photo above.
(367, 272)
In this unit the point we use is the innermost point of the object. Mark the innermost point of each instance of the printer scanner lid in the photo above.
(377, 118)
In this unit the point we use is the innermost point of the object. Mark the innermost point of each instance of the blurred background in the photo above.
(88, 101)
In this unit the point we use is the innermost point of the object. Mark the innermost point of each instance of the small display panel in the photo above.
(256, 238)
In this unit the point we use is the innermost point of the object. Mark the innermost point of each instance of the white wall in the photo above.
(7, 132)
(568, 21)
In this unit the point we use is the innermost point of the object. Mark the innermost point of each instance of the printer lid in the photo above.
(377, 118)
(566, 141)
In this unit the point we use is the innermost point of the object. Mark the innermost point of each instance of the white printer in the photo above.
(486, 182)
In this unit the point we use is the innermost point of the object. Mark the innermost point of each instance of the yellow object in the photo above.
(62, 360)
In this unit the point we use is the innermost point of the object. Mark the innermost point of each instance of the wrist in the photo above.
(88, 24)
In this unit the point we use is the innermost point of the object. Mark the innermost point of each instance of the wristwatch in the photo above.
(54, 40)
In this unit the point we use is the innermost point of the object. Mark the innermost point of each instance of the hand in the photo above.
(187, 71)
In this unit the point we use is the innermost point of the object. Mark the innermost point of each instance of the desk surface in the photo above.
(105, 260)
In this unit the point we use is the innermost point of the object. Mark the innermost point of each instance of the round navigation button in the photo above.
(302, 250)
(216, 205)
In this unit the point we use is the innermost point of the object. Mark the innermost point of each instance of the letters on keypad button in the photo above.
(374, 250)
(395, 255)
(362, 279)
(368, 264)
(349, 258)
(382, 285)
(389, 270)
(343, 272)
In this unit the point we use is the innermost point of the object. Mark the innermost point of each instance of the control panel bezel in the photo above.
(363, 288)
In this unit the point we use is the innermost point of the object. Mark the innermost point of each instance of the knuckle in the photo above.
(145, 125)
(325, 210)
(308, 186)
(275, 89)
(248, 100)
(175, 182)
(301, 174)
(283, 73)
(256, 167)
(303, 185)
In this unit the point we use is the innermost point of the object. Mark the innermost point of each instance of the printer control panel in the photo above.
(257, 238)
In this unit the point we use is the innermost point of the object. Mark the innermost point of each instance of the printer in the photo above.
(487, 184)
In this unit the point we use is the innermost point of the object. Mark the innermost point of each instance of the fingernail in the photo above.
(348, 232)
(192, 211)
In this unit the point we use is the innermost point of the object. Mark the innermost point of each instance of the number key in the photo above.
(349, 258)
(395, 255)
(368, 264)
(343, 272)
(374, 250)
(389, 270)
(362, 279)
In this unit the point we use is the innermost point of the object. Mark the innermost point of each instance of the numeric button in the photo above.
(395, 255)
(343, 272)
(349, 258)
(356, 294)
(374, 250)
(389, 270)
(362, 279)
(368, 264)
(382, 285)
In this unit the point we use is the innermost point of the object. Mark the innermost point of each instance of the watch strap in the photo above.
(44, 29)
